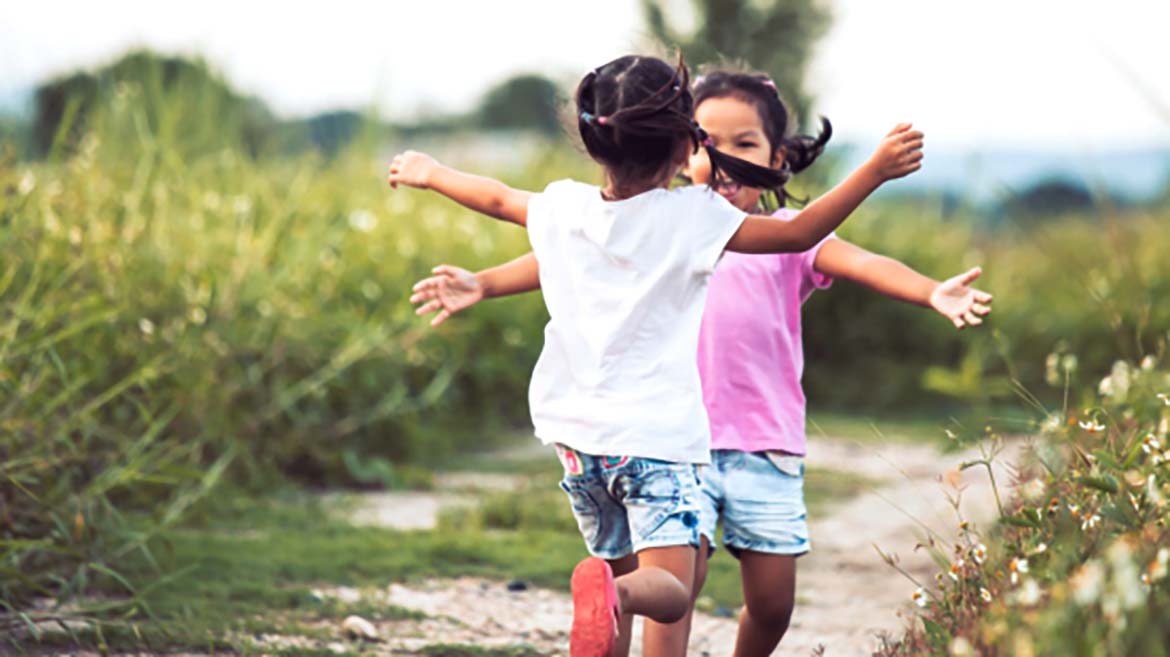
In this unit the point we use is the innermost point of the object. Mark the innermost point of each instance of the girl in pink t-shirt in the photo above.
(750, 352)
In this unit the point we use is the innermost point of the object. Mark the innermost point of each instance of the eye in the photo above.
(746, 144)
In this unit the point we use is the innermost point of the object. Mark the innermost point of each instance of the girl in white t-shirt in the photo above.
(624, 271)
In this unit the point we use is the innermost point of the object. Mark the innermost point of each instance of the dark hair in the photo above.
(635, 113)
(800, 151)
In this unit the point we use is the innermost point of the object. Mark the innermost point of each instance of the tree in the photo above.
(1048, 198)
(180, 99)
(772, 36)
(524, 101)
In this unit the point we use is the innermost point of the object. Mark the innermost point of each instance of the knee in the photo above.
(772, 610)
(677, 604)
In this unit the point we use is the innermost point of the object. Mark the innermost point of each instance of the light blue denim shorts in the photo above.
(759, 498)
(626, 504)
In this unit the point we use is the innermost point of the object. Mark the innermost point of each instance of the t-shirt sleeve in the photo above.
(716, 221)
(811, 278)
(542, 209)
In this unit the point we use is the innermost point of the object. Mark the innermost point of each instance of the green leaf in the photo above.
(936, 636)
(1106, 482)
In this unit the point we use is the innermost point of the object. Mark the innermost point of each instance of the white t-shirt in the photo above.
(625, 283)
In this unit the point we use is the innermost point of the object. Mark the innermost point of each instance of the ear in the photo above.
(781, 155)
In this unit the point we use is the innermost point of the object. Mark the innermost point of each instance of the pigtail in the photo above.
(802, 150)
(724, 166)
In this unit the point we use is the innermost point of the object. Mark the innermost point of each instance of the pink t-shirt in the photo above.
(750, 353)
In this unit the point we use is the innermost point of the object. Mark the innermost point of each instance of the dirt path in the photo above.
(846, 593)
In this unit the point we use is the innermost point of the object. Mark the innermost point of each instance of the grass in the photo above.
(242, 566)
(250, 566)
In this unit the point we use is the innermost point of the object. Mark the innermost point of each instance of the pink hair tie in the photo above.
(708, 142)
(602, 120)
(769, 84)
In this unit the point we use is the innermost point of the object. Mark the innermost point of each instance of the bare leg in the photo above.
(769, 592)
(672, 639)
(622, 567)
(661, 590)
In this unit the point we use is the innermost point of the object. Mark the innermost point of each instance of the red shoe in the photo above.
(595, 610)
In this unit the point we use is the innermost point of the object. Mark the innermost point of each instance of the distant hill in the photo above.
(989, 176)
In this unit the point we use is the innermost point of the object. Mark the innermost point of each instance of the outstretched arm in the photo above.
(953, 298)
(899, 154)
(452, 289)
(484, 195)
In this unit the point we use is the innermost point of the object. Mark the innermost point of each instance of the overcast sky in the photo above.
(1070, 74)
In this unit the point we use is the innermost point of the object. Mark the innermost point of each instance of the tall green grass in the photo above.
(173, 312)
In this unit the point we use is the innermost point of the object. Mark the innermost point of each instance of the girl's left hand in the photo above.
(960, 303)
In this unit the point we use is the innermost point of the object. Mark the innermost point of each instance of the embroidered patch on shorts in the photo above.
(570, 460)
(610, 462)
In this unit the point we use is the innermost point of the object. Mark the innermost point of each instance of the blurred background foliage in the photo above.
(195, 291)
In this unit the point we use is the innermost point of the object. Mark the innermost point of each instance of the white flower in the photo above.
(1029, 593)
(146, 326)
(1148, 363)
(979, 553)
(28, 182)
(362, 220)
(1018, 566)
(1120, 380)
(1053, 423)
(371, 290)
(197, 315)
(1165, 399)
(1158, 568)
(1105, 388)
(956, 568)
(1092, 426)
(1032, 489)
(1090, 521)
(1149, 443)
(985, 594)
(1087, 582)
(961, 647)
(1042, 548)
(241, 204)
(919, 596)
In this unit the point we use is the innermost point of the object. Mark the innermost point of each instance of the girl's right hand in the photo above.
(412, 169)
(899, 154)
(450, 290)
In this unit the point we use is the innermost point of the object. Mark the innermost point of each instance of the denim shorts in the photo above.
(759, 497)
(626, 504)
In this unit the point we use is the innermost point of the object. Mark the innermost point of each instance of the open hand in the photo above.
(412, 169)
(955, 299)
(450, 290)
(899, 154)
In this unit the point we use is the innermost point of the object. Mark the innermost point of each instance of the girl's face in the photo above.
(735, 128)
